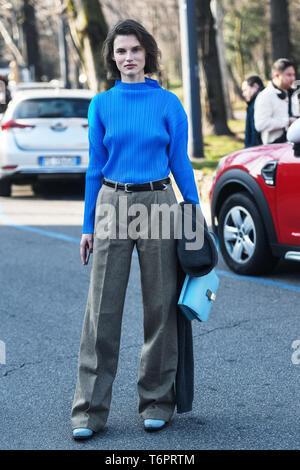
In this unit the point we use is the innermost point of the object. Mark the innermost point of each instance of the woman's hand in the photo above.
(86, 242)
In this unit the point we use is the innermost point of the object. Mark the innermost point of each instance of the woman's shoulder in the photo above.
(99, 99)
(102, 95)
(170, 94)
(172, 98)
(174, 107)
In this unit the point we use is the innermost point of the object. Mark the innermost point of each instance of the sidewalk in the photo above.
(52, 210)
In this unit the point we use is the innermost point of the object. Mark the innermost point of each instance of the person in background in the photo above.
(251, 87)
(277, 106)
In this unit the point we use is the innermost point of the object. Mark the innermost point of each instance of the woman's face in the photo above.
(130, 58)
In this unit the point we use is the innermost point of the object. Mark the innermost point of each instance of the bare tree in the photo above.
(88, 30)
(280, 29)
(213, 78)
(218, 12)
(10, 49)
(31, 40)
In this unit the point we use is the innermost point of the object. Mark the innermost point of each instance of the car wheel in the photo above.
(37, 187)
(243, 241)
(5, 187)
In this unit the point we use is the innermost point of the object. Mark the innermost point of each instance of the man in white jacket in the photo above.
(277, 106)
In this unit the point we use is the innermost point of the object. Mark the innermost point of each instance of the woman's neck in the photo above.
(138, 78)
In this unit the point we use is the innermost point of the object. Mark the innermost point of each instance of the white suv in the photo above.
(44, 135)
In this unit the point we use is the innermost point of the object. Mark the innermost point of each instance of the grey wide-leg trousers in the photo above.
(100, 341)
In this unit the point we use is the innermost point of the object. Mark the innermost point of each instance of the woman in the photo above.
(137, 135)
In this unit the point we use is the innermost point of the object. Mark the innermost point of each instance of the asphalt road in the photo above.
(246, 384)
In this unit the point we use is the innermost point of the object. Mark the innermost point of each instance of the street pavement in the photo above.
(246, 383)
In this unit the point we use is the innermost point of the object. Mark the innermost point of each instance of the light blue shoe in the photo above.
(154, 424)
(82, 433)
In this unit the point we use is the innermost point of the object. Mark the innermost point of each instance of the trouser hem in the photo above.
(87, 425)
(156, 414)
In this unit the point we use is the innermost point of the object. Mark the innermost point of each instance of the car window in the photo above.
(52, 107)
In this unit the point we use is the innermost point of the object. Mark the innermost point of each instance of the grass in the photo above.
(176, 87)
(215, 147)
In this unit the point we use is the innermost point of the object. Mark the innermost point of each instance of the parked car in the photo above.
(44, 135)
(22, 86)
(255, 206)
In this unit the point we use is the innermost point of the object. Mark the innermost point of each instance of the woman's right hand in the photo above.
(85, 243)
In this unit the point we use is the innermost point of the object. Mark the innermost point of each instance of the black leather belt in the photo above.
(130, 187)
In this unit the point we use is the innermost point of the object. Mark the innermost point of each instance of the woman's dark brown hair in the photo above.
(126, 27)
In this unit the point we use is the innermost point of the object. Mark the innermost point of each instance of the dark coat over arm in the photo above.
(195, 262)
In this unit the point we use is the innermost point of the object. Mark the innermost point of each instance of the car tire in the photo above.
(37, 187)
(5, 188)
(243, 240)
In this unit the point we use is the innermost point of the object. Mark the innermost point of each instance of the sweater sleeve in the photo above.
(97, 159)
(180, 164)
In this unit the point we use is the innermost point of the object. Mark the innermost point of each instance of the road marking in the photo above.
(6, 220)
(2, 352)
(259, 280)
(60, 236)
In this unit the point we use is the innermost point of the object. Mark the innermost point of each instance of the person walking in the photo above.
(277, 106)
(250, 89)
(138, 133)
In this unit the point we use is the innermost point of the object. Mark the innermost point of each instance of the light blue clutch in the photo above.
(198, 295)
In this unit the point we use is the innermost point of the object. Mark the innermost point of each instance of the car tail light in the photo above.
(269, 173)
(11, 124)
(86, 126)
(9, 167)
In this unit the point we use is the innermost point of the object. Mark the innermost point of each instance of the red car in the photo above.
(255, 207)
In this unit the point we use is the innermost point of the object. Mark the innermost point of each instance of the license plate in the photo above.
(62, 160)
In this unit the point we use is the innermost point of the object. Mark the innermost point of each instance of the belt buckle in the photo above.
(126, 190)
(165, 186)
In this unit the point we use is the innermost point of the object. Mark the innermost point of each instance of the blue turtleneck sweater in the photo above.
(138, 132)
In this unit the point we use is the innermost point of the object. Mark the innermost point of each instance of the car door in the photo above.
(288, 197)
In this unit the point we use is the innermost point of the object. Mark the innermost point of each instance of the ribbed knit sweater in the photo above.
(138, 132)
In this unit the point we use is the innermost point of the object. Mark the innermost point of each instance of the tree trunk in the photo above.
(88, 29)
(266, 60)
(9, 43)
(280, 29)
(237, 88)
(218, 13)
(31, 40)
(209, 55)
(237, 47)
(63, 48)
